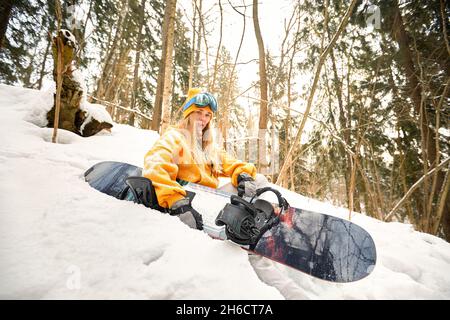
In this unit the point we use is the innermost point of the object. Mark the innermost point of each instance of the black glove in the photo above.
(246, 185)
(188, 215)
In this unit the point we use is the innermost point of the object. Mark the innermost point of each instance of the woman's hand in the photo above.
(246, 185)
(188, 215)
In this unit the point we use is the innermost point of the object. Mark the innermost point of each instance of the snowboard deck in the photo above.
(321, 245)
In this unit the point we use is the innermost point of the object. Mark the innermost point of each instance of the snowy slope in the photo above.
(59, 238)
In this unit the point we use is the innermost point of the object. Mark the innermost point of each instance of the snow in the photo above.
(59, 238)
(93, 110)
(70, 37)
(38, 108)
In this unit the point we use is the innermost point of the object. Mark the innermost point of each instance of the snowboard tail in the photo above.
(323, 246)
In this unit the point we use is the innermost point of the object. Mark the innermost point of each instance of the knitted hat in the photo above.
(191, 93)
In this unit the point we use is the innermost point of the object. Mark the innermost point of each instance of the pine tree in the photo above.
(25, 44)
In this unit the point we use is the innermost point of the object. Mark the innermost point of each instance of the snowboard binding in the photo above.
(140, 190)
(246, 221)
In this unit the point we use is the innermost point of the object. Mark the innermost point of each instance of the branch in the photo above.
(313, 89)
(107, 103)
(218, 48)
(444, 28)
(414, 187)
(441, 201)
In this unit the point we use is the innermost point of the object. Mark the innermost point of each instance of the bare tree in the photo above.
(138, 57)
(322, 58)
(216, 62)
(109, 58)
(263, 114)
(194, 34)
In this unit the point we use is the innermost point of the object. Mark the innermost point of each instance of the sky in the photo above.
(271, 16)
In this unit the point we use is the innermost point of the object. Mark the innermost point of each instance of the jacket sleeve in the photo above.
(232, 167)
(161, 168)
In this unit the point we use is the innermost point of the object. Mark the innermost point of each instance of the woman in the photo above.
(188, 152)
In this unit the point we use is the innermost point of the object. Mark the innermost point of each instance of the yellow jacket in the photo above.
(169, 159)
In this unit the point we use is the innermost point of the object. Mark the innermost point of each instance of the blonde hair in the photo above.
(206, 151)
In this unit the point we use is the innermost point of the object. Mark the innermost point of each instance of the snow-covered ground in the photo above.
(59, 238)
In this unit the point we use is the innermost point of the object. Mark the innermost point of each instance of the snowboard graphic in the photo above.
(323, 246)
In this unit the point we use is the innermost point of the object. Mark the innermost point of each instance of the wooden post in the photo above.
(59, 49)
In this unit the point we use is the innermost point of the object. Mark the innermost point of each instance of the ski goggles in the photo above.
(202, 100)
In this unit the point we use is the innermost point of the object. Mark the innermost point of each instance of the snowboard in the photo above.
(321, 245)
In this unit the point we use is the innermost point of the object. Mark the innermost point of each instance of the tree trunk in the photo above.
(104, 80)
(195, 80)
(118, 75)
(157, 108)
(263, 114)
(288, 123)
(164, 84)
(5, 13)
(216, 62)
(192, 60)
(70, 89)
(442, 215)
(167, 92)
(138, 57)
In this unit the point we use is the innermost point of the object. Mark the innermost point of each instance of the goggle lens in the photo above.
(202, 100)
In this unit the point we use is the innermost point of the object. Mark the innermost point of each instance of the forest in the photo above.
(340, 101)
